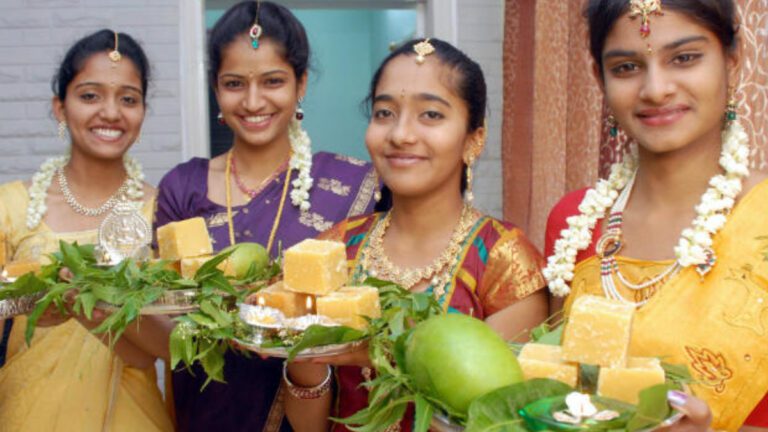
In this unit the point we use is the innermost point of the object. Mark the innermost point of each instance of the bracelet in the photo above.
(307, 392)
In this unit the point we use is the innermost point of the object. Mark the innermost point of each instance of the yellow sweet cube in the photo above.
(184, 239)
(625, 383)
(349, 305)
(545, 361)
(315, 267)
(292, 304)
(598, 332)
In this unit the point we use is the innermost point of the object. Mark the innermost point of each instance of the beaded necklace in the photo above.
(275, 223)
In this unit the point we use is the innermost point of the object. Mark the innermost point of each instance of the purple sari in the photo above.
(250, 401)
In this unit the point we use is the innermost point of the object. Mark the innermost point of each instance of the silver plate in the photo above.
(9, 308)
(313, 352)
(441, 423)
(172, 302)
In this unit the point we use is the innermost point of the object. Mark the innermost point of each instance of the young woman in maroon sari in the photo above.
(268, 189)
(426, 130)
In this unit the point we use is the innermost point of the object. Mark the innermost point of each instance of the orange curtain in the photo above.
(554, 131)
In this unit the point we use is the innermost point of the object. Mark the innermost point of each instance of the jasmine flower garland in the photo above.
(695, 245)
(41, 182)
(301, 161)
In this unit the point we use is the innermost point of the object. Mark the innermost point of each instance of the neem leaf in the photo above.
(652, 408)
(546, 335)
(499, 409)
(209, 268)
(72, 258)
(317, 335)
(26, 284)
(423, 416)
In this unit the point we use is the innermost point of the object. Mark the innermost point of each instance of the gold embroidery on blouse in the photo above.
(364, 194)
(750, 314)
(512, 261)
(315, 221)
(711, 368)
(219, 219)
(350, 160)
(335, 186)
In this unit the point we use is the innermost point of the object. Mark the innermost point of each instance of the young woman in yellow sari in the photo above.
(670, 70)
(68, 379)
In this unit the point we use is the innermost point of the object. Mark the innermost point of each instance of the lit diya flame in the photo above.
(309, 303)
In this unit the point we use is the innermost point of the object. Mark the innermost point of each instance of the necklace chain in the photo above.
(69, 197)
(376, 263)
(611, 243)
(281, 205)
(252, 193)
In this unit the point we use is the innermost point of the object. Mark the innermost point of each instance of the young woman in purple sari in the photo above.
(269, 188)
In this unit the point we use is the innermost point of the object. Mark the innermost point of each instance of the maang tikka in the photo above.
(256, 30)
(644, 9)
(115, 55)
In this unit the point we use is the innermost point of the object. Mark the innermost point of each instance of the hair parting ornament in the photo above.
(115, 55)
(422, 50)
(256, 30)
(644, 9)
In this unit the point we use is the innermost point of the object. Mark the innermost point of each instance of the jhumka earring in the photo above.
(115, 55)
(220, 118)
(469, 196)
(422, 50)
(731, 108)
(63, 132)
(256, 30)
(613, 125)
(377, 185)
(299, 110)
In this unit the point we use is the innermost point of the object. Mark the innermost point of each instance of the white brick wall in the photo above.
(34, 36)
(481, 36)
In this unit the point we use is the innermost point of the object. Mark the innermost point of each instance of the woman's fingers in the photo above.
(698, 416)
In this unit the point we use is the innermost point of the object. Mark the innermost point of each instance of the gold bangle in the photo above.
(307, 392)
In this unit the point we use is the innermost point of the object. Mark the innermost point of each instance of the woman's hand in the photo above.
(357, 357)
(52, 317)
(698, 416)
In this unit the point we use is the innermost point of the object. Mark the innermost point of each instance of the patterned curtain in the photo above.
(554, 133)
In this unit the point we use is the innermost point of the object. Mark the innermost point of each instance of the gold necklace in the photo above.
(376, 263)
(275, 223)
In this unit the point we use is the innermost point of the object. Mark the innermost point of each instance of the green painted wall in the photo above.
(347, 46)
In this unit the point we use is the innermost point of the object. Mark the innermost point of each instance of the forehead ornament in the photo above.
(644, 9)
(423, 49)
(115, 55)
(256, 30)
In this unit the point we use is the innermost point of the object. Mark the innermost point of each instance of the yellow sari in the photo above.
(716, 325)
(67, 380)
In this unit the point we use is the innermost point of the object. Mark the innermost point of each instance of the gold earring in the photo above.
(731, 108)
(63, 131)
(377, 185)
(469, 196)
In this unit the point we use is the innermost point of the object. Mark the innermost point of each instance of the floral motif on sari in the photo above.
(711, 368)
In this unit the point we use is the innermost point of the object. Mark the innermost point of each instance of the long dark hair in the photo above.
(469, 85)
